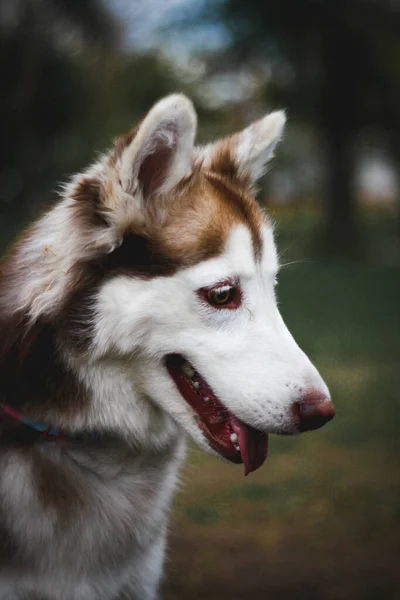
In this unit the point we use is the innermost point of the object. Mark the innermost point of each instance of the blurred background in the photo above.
(321, 519)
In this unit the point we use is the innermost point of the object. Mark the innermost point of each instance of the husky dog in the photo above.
(138, 311)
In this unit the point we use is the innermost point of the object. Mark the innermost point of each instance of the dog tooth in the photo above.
(237, 447)
(188, 370)
(196, 385)
(206, 399)
(234, 437)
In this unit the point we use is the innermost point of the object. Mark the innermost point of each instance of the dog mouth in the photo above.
(229, 436)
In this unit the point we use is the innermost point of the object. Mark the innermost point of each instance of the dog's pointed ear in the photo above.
(245, 155)
(160, 152)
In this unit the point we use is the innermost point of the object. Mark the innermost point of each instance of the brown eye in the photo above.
(221, 296)
(225, 295)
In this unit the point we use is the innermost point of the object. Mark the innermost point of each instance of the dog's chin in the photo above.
(226, 434)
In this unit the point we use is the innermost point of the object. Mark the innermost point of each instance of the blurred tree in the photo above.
(335, 65)
(45, 87)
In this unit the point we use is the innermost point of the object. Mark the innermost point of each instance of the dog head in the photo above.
(167, 270)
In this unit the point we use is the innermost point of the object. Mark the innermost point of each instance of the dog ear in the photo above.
(159, 153)
(245, 155)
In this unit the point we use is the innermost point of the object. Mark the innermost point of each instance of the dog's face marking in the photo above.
(246, 355)
(147, 249)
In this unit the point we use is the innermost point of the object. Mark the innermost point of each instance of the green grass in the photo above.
(202, 515)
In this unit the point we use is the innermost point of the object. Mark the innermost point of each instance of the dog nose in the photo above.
(314, 410)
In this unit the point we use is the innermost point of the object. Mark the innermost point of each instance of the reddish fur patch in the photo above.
(197, 224)
(223, 163)
(245, 208)
(90, 209)
(33, 377)
(59, 491)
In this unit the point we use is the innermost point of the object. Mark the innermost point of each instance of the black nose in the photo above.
(314, 410)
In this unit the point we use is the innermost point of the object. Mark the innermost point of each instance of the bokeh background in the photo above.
(321, 519)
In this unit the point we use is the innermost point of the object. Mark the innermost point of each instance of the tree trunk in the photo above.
(341, 232)
(339, 122)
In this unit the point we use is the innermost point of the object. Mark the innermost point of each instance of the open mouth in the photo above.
(226, 434)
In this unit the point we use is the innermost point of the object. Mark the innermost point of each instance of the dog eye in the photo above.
(222, 296)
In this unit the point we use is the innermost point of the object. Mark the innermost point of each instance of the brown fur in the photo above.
(237, 200)
(197, 222)
(33, 378)
(223, 162)
(58, 491)
(89, 210)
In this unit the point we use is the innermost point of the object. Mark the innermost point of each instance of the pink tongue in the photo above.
(253, 445)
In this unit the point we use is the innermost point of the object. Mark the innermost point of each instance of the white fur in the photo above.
(256, 144)
(127, 497)
(44, 269)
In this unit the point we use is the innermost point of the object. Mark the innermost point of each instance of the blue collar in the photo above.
(46, 429)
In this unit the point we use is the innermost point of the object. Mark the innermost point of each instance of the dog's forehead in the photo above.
(206, 218)
(237, 259)
(239, 252)
(210, 217)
